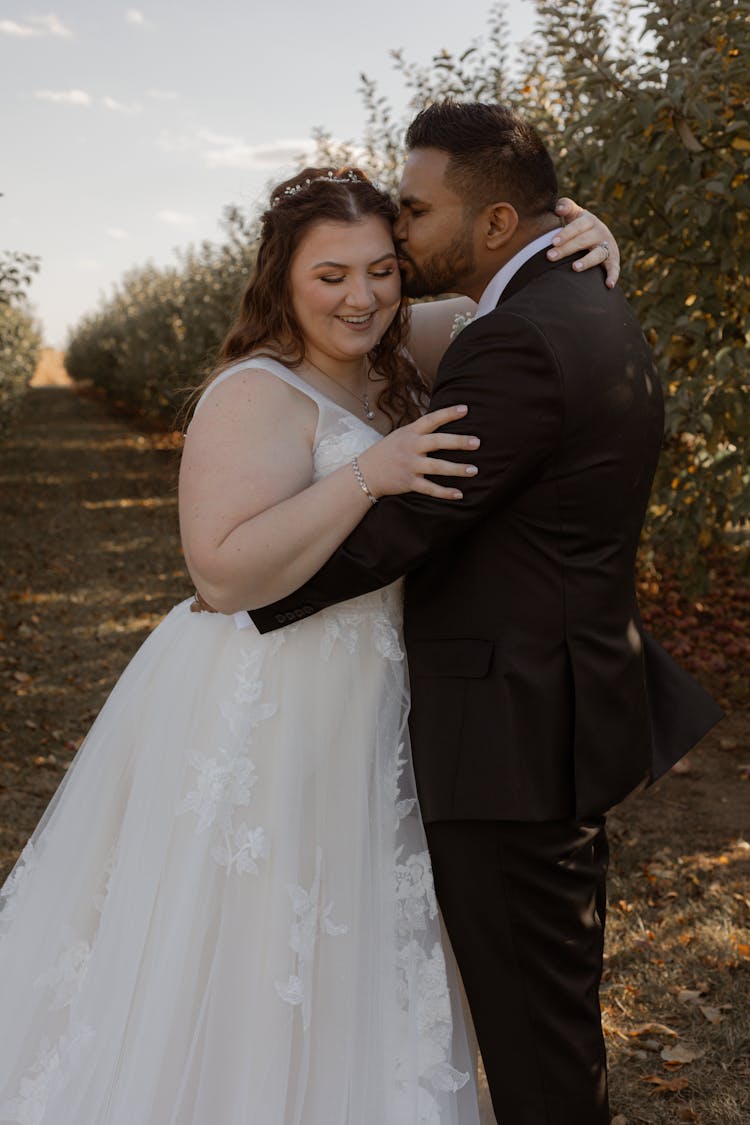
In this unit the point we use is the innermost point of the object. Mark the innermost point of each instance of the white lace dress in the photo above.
(226, 916)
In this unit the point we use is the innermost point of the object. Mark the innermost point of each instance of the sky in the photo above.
(126, 131)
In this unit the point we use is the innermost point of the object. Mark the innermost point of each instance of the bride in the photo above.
(226, 915)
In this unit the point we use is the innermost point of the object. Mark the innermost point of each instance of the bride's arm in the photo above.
(431, 328)
(253, 526)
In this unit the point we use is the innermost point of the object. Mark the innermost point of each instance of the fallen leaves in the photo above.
(654, 1029)
(713, 1015)
(708, 636)
(666, 1085)
(741, 948)
(680, 1053)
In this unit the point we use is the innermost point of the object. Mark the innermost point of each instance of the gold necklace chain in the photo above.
(362, 399)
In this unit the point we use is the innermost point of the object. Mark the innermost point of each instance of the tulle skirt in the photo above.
(226, 916)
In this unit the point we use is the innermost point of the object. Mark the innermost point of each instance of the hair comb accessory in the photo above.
(349, 177)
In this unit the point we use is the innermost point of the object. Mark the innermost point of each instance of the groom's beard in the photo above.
(444, 272)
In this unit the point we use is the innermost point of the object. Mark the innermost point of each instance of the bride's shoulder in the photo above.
(252, 392)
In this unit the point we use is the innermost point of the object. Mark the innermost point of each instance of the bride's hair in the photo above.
(265, 323)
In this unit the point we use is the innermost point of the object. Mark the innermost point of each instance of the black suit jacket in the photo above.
(532, 696)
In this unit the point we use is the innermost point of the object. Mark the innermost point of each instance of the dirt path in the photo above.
(50, 370)
(90, 563)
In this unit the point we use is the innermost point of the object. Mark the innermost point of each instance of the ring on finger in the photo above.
(605, 248)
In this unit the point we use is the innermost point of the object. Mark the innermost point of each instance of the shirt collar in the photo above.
(494, 290)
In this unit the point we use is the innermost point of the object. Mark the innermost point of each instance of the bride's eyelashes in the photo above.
(375, 273)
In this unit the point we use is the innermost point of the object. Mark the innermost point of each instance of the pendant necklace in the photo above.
(362, 399)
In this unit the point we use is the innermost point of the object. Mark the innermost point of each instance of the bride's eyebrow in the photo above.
(343, 266)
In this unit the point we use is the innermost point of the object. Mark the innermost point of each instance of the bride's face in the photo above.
(345, 286)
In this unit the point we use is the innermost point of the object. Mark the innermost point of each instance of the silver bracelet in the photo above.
(362, 482)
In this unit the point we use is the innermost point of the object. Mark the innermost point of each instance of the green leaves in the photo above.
(20, 338)
(157, 335)
(662, 157)
(645, 108)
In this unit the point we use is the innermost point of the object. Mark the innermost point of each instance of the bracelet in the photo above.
(362, 482)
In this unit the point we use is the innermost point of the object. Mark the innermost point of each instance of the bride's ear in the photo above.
(500, 224)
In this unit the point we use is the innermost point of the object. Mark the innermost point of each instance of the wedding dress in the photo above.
(226, 915)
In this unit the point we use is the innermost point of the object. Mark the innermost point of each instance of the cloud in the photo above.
(217, 150)
(64, 97)
(176, 218)
(36, 26)
(163, 95)
(121, 107)
(117, 233)
(233, 152)
(136, 17)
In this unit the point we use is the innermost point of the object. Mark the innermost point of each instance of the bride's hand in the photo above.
(400, 462)
(583, 231)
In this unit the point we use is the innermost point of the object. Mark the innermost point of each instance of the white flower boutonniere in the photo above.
(460, 321)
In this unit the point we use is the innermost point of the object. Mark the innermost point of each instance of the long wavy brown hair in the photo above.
(265, 323)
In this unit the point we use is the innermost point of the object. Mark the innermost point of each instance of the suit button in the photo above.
(280, 618)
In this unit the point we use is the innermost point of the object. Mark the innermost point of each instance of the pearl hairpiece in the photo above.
(330, 178)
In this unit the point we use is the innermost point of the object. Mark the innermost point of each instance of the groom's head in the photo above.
(478, 184)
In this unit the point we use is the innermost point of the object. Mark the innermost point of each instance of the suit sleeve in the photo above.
(504, 370)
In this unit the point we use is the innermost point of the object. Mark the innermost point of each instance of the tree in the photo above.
(652, 130)
(158, 333)
(16, 273)
(20, 338)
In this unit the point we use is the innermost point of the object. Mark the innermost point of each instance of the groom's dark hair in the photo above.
(495, 156)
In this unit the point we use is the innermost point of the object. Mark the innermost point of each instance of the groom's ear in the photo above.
(500, 224)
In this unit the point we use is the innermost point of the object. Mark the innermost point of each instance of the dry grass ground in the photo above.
(92, 561)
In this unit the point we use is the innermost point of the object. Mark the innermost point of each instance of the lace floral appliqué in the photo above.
(12, 888)
(309, 920)
(53, 1059)
(422, 980)
(415, 894)
(63, 980)
(225, 779)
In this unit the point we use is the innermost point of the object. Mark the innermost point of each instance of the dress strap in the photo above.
(266, 364)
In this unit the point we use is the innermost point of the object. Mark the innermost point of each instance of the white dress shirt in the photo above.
(494, 290)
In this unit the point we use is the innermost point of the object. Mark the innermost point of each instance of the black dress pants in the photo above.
(524, 905)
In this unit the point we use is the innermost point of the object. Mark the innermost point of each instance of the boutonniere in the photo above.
(460, 320)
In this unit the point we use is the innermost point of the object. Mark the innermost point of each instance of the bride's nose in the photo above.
(359, 294)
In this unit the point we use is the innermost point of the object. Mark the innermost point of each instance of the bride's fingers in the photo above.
(431, 442)
(568, 209)
(436, 418)
(578, 236)
(607, 255)
(429, 488)
(432, 466)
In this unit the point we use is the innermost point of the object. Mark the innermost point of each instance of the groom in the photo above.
(537, 701)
